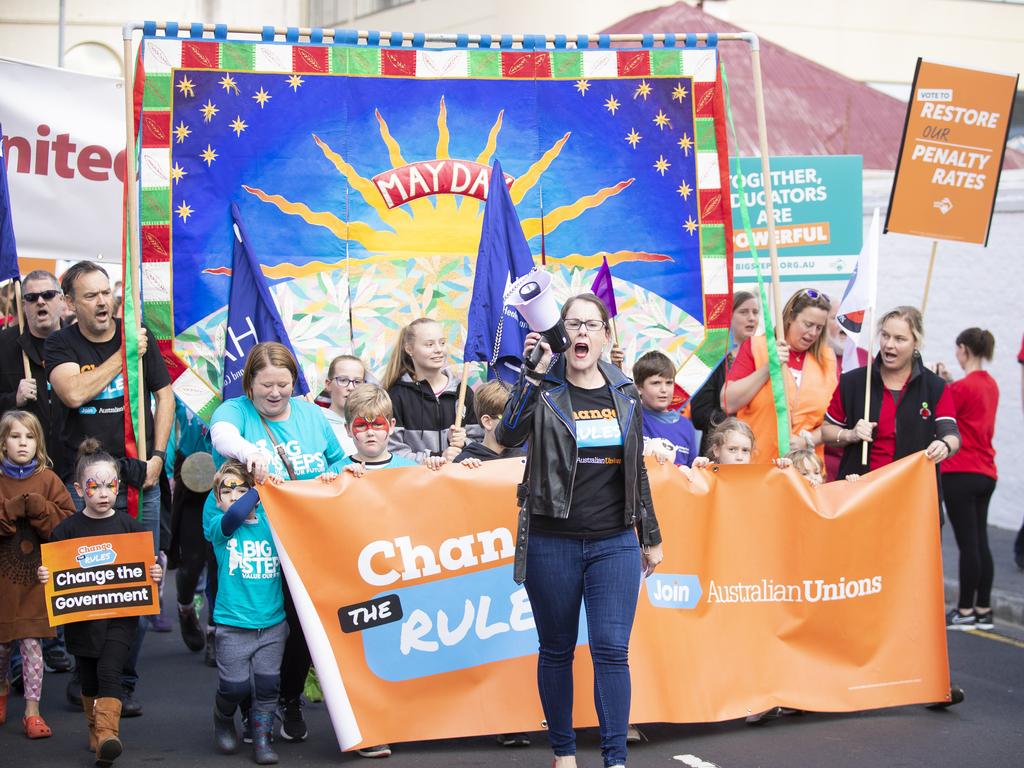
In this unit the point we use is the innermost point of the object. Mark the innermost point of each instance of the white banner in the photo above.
(63, 141)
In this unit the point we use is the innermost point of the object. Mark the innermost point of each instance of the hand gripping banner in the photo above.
(825, 600)
(361, 172)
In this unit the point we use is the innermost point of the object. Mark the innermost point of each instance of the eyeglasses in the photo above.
(32, 298)
(345, 381)
(591, 325)
(359, 424)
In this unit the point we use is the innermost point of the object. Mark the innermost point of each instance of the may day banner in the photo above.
(818, 219)
(418, 630)
(361, 173)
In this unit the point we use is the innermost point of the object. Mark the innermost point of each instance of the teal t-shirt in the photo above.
(249, 588)
(308, 439)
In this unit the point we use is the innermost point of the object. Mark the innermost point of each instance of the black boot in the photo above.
(262, 752)
(191, 632)
(224, 732)
(73, 691)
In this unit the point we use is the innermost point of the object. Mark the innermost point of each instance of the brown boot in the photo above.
(108, 724)
(89, 706)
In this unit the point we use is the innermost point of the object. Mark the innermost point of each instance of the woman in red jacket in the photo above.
(969, 478)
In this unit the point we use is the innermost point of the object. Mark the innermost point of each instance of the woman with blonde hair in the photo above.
(808, 373)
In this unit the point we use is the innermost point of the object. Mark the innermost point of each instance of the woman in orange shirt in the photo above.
(808, 372)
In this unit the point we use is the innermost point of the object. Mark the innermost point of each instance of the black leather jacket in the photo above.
(551, 457)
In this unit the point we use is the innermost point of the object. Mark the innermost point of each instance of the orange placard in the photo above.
(952, 153)
(826, 599)
(99, 577)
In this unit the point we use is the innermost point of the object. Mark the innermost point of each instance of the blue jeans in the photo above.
(149, 518)
(603, 574)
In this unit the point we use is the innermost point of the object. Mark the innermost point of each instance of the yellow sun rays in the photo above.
(420, 227)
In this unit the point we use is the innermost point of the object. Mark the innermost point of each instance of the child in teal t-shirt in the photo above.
(249, 613)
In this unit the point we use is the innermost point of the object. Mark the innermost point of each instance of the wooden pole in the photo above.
(462, 397)
(928, 279)
(134, 247)
(769, 206)
(21, 328)
(869, 321)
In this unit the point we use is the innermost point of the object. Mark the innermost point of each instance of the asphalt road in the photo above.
(177, 692)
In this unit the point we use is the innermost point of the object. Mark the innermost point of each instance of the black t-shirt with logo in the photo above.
(103, 416)
(599, 489)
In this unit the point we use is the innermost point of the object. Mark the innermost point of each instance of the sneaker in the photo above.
(983, 620)
(246, 728)
(763, 717)
(957, 620)
(634, 735)
(513, 739)
(160, 623)
(130, 706)
(57, 660)
(381, 750)
(956, 695)
(293, 727)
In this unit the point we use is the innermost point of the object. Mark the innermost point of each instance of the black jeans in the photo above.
(967, 495)
(101, 677)
(296, 662)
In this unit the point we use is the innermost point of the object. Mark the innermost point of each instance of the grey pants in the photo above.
(249, 662)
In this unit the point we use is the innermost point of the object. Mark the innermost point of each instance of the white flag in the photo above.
(859, 298)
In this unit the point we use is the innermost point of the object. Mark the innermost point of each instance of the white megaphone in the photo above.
(532, 297)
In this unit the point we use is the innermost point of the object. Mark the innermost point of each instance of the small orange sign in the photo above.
(952, 152)
(99, 577)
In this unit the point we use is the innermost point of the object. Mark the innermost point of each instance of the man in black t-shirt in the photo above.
(84, 365)
(42, 302)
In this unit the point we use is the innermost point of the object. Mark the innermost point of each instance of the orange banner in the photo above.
(99, 577)
(771, 593)
(952, 153)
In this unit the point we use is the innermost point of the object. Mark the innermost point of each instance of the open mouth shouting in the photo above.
(580, 349)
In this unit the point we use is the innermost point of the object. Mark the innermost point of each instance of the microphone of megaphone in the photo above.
(532, 298)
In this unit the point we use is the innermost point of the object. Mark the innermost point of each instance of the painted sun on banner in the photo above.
(361, 174)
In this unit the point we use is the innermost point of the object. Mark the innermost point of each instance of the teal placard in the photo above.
(818, 205)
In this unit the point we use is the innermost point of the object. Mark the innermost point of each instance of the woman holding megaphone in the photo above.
(585, 506)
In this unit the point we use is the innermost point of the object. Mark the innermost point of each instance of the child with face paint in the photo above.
(100, 646)
(33, 501)
(370, 422)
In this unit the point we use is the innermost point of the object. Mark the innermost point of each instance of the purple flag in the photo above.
(8, 248)
(603, 289)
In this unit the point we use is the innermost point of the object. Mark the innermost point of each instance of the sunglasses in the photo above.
(32, 298)
(359, 424)
(814, 295)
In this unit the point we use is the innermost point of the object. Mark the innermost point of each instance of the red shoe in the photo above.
(36, 727)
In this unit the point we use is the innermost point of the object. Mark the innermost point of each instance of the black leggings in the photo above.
(194, 551)
(101, 677)
(296, 661)
(967, 495)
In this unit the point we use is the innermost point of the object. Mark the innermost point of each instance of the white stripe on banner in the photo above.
(346, 729)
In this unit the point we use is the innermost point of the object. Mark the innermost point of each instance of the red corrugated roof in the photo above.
(810, 109)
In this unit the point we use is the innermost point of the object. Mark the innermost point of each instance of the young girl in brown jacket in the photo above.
(33, 501)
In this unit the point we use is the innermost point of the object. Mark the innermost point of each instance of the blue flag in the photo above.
(8, 248)
(252, 314)
(495, 332)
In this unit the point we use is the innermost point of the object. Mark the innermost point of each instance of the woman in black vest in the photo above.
(911, 409)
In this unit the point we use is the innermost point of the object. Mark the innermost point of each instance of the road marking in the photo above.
(998, 638)
(694, 762)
